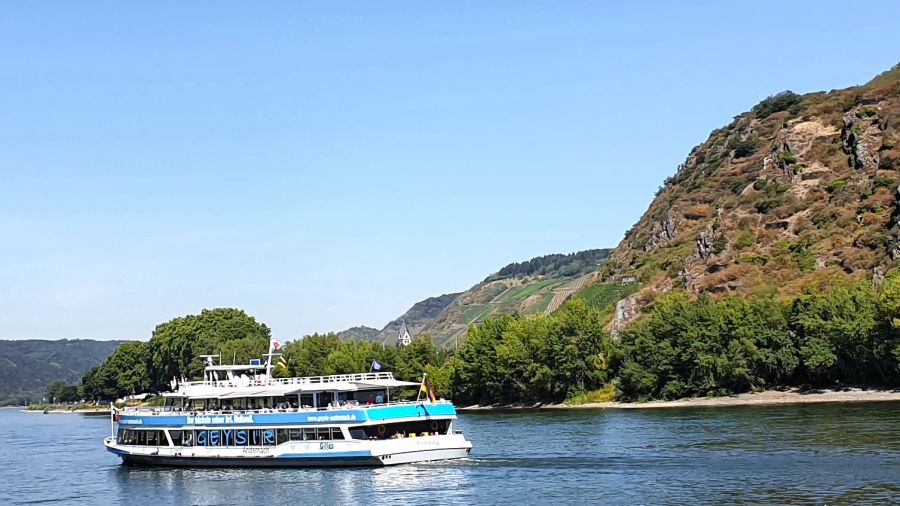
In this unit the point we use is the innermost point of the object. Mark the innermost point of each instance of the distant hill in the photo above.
(28, 366)
(535, 286)
(796, 194)
(361, 333)
(557, 265)
(419, 316)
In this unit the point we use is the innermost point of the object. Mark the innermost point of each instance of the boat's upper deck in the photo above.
(260, 394)
(262, 385)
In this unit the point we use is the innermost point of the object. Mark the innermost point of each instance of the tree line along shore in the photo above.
(847, 333)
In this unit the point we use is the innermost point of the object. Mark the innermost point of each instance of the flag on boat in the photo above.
(274, 346)
(115, 412)
(426, 389)
(376, 366)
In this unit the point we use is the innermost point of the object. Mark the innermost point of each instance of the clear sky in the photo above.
(323, 165)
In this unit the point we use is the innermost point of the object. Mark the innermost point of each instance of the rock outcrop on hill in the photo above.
(796, 194)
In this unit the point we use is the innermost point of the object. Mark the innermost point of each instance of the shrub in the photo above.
(866, 112)
(754, 258)
(745, 240)
(720, 244)
(788, 158)
(776, 103)
(796, 109)
(737, 187)
(742, 147)
(884, 182)
(823, 218)
(887, 163)
(837, 185)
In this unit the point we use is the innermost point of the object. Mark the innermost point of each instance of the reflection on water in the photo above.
(275, 486)
(786, 454)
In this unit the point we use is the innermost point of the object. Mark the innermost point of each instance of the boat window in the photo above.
(198, 404)
(281, 436)
(120, 436)
(188, 438)
(176, 437)
(401, 429)
(141, 438)
(152, 438)
(336, 433)
(268, 437)
(306, 400)
(323, 433)
(309, 434)
(240, 404)
(295, 434)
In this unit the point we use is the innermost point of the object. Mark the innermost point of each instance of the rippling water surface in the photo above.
(787, 454)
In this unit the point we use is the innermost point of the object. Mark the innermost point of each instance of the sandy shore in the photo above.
(767, 398)
(69, 411)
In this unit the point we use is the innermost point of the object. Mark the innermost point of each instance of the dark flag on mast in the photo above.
(426, 389)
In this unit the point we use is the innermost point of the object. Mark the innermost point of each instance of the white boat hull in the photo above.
(301, 454)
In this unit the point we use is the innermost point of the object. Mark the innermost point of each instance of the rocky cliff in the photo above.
(795, 194)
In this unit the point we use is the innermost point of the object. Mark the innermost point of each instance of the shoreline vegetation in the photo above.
(845, 333)
(791, 396)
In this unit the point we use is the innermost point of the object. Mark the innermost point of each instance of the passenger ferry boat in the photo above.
(241, 416)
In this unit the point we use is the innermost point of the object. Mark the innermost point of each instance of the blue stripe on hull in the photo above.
(352, 416)
(146, 460)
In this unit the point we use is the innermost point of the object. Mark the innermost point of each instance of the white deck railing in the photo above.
(308, 380)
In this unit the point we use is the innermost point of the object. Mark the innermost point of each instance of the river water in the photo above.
(820, 454)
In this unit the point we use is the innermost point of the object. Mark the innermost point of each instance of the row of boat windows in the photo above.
(276, 402)
(227, 437)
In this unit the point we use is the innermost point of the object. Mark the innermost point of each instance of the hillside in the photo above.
(28, 366)
(798, 192)
(417, 317)
(536, 286)
(361, 333)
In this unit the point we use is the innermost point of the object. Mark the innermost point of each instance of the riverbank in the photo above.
(99, 409)
(766, 398)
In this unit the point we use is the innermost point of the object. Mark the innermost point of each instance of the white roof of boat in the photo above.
(276, 387)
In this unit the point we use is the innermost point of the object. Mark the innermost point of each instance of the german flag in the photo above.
(426, 389)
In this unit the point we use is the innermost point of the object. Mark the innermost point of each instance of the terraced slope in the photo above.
(535, 286)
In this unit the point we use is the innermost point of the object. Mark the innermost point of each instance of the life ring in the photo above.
(434, 426)
(381, 430)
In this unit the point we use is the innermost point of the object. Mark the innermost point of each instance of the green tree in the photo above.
(838, 333)
(176, 346)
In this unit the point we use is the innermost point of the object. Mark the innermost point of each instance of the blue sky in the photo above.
(323, 166)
